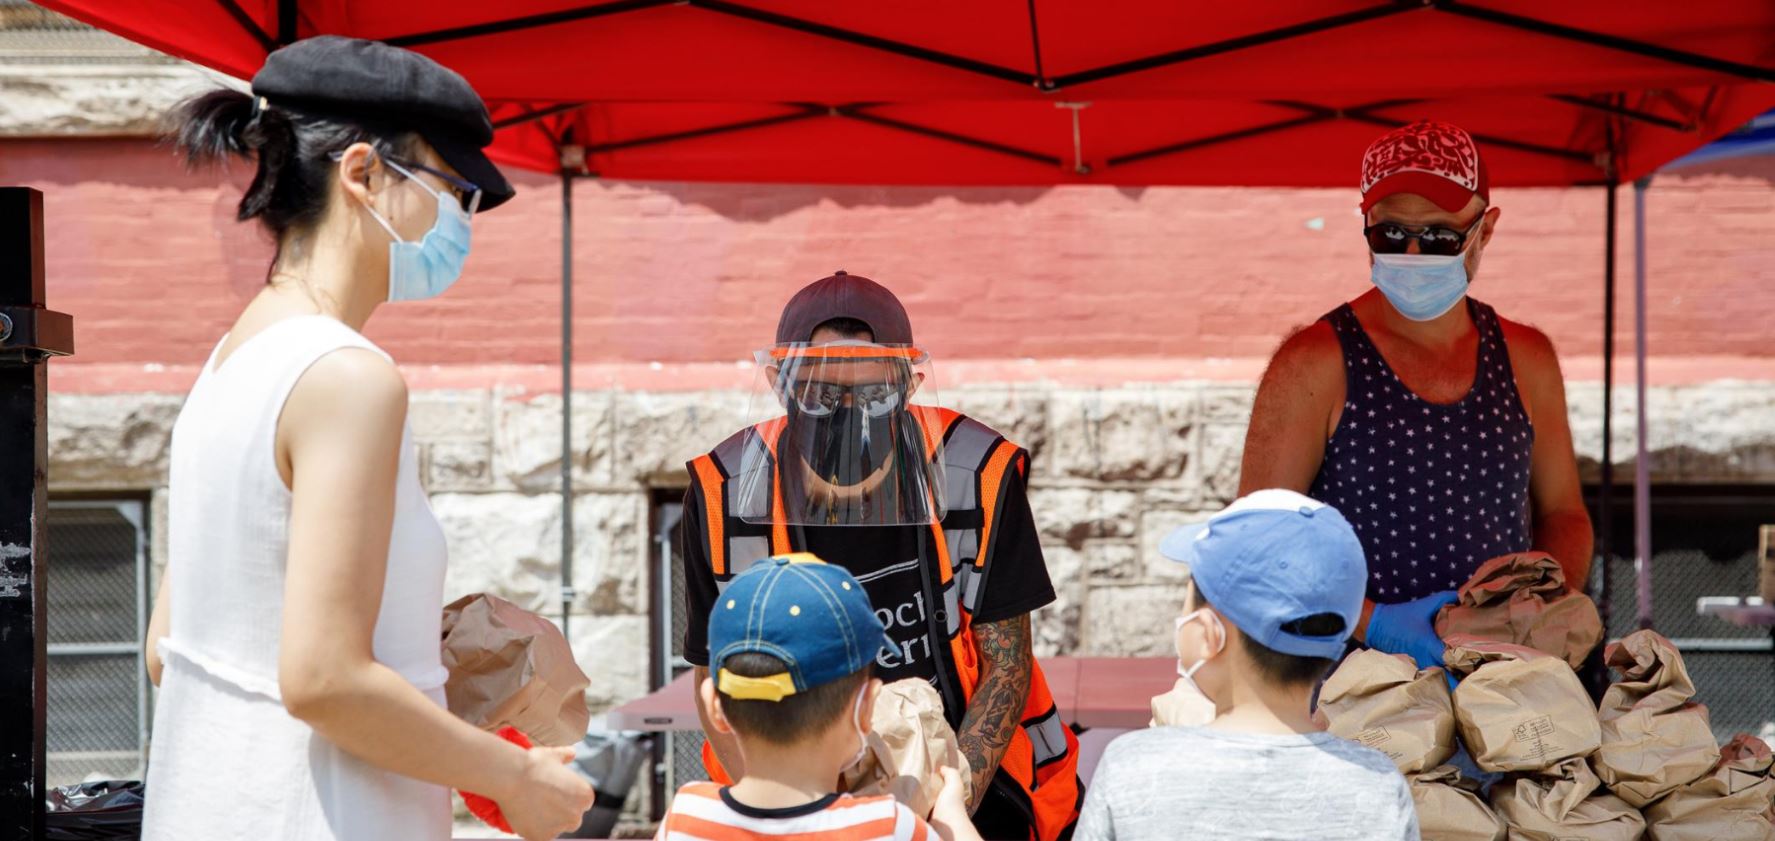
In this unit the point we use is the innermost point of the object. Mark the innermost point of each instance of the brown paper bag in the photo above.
(1383, 701)
(1736, 802)
(909, 742)
(1523, 599)
(1654, 738)
(509, 666)
(1565, 803)
(1183, 706)
(1450, 808)
(1519, 709)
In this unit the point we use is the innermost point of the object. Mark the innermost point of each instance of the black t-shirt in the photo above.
(885, 560)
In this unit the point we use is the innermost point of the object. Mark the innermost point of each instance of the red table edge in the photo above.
(1077, 684)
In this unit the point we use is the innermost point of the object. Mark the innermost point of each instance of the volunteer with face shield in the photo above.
(295, 633)
(855, 442)
(1436, 426)
(851, 459)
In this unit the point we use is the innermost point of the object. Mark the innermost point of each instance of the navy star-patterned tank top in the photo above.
(1433, 490)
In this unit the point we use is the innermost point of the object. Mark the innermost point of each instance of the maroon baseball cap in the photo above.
(845, 295)
(1433, 159)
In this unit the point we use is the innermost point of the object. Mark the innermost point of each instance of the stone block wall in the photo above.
(1114, 469)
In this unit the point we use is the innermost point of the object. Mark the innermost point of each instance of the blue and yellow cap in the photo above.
(812, 615)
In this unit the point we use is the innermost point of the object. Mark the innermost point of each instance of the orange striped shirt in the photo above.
(706, 812)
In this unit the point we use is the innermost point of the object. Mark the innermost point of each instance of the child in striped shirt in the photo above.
(791, 645)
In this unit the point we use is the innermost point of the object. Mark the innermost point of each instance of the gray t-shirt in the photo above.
(1203, 784)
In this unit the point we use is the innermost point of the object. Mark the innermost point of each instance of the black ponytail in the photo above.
(292, 148)
(211, 126)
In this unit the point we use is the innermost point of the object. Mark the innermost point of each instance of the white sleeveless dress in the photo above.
(226, 760)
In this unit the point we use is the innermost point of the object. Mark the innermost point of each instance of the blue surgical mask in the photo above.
(424, 269)
(1421, 286)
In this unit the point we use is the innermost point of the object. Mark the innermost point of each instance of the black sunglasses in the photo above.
(1394, 238)
(877, 400)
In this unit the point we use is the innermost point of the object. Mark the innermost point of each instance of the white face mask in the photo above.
(857, 722)
(1188, 673)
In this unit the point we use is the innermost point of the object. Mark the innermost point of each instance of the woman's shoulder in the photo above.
(350, 390)
(354, 374)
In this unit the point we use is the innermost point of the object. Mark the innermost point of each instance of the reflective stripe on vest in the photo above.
(1047, 737)
(969, 579)
(743, 553)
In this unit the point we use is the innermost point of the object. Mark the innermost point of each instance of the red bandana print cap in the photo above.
(1436, 160)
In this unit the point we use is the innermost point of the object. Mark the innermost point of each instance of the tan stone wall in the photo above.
(1114, 470)
(106, 100)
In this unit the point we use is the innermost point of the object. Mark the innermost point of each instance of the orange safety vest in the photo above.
(1039, 771)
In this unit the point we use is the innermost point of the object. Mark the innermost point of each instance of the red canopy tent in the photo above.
(1033, 92)
(1586, 92)
(1042, 91)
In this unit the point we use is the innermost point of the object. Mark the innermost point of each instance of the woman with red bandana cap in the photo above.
(1437, 427)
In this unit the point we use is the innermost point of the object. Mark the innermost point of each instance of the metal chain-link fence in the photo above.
(687, 757)
(683, 754)
(98, 700)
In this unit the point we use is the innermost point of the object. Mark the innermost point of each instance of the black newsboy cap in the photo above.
(368, 80)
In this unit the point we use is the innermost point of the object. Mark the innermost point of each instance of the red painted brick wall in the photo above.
(153, 266)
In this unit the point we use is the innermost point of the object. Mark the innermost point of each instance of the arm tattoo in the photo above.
(994, 712)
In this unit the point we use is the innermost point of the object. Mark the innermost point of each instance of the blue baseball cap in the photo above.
(812, 615)
(1274, 557)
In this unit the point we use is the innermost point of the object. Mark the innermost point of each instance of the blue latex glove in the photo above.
(1410, 628)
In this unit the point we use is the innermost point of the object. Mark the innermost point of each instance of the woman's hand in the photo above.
(1410, 628)
(547, 799)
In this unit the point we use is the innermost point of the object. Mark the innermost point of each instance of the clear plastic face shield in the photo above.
(847, 435)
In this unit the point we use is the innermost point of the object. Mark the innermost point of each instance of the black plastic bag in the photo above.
(610, 761)
(100, 811)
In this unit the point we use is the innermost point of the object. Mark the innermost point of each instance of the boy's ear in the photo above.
(866, 715)
(1217, 635)
(712, 703)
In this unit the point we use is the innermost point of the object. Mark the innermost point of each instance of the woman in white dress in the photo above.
(295, 637)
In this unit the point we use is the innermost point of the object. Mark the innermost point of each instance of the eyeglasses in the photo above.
(817, 399)
(464, 190)
(1394, 238)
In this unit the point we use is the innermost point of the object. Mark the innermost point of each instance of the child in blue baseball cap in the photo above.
(1276, 585)
(792, 643)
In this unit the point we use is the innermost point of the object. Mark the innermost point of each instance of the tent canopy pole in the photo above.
(567, 176)
(1642, 470)
(1606, 485)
